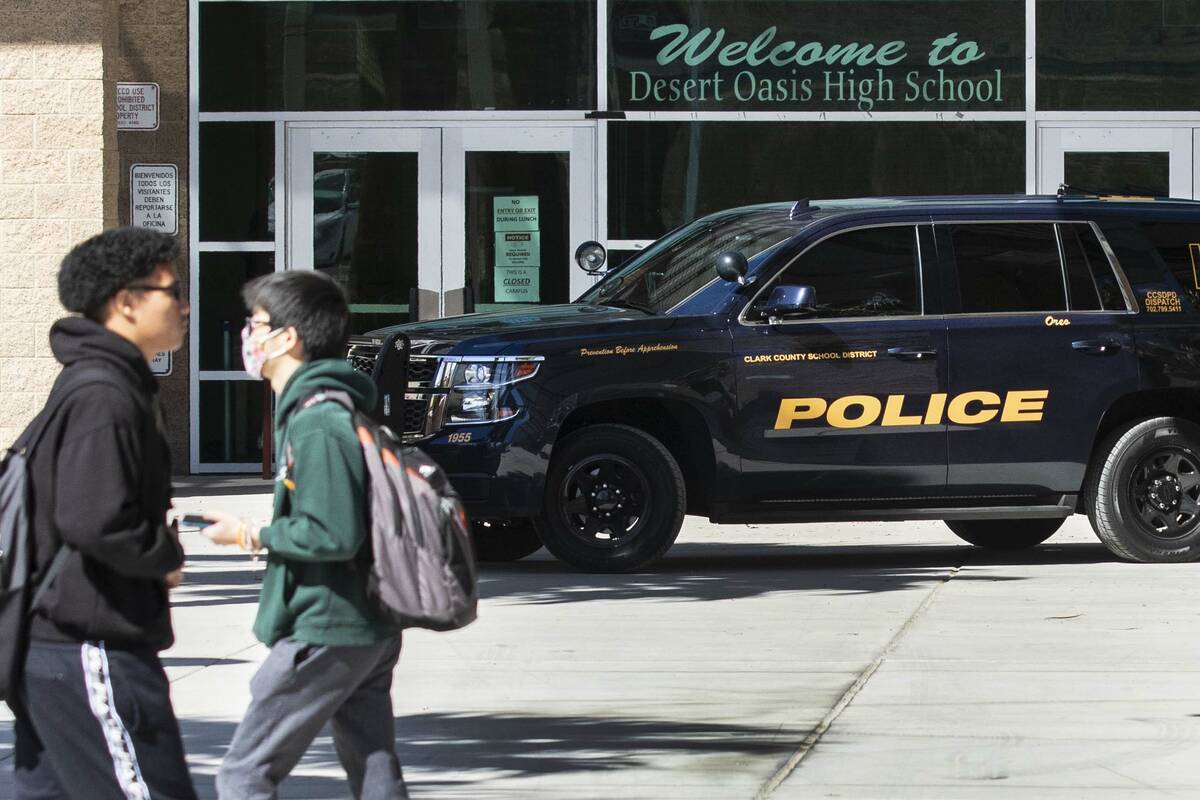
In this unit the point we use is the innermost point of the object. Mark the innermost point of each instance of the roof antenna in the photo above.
(1065, 189)
(801, 208)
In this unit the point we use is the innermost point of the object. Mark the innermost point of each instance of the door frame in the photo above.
(1055, 139)
(578, 141)
(304, 141)
(442, 183)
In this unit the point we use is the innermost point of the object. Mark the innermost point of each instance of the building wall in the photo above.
(63, 166)
(152, 46)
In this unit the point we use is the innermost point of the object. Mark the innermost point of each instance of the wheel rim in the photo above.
(1164, 492)
(604, 500)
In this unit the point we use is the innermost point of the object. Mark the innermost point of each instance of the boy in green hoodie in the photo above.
(332, 654)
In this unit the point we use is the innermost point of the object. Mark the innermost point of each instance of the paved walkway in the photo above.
(853, 661)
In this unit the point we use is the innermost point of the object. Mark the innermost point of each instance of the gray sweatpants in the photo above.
(295, 692)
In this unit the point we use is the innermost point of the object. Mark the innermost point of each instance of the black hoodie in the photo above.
(101, 480)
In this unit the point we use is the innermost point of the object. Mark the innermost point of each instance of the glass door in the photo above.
(364, 208)
(517, 202)
(1155, 162)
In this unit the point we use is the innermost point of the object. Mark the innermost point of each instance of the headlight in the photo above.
(479, 389)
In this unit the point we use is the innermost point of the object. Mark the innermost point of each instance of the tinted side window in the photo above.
(1007, 267)
(1178, 245)
(1089, 273)
(865, 273)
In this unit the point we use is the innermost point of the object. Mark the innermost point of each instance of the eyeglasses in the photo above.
(252, 323)
(174, 289)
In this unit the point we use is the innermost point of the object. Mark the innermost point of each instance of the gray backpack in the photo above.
(423, 572)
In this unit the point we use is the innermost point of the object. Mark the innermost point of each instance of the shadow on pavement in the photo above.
(716, 571)
(518, 745)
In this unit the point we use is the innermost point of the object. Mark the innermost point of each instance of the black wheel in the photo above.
(615, 499)
(504, 540)
(1143, 491)
(1005, 534)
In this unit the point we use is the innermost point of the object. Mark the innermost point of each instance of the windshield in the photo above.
(682, 262)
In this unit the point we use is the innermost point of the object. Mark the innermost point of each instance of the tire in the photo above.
(636, 503)
(504, 540)
(1005, 534)
(1143, 491)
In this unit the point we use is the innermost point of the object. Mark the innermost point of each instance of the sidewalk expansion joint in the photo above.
(848, 696)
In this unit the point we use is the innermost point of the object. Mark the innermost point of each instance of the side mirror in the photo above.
(790, 301)
(590, 256)
(731, 266)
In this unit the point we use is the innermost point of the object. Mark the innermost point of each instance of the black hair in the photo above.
(309, 301)
(98, 268)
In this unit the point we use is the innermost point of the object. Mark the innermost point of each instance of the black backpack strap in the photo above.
(32, 436)
(29, 439)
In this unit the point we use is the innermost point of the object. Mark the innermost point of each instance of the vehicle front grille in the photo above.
(421, 373)
(363, 354)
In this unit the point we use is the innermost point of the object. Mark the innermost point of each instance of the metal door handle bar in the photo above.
(911, 353)
(1096, 347)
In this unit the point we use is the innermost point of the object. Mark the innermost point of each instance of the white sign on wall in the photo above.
(161, 365)
(154, 197)
(137, 106)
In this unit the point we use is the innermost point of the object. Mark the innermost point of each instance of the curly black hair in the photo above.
(98, 268)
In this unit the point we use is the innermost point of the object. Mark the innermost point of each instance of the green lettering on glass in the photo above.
(696, 48)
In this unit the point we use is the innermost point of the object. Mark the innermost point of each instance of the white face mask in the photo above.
(254, 356)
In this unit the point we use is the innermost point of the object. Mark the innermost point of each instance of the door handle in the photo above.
(911, 353)
(1096, 347)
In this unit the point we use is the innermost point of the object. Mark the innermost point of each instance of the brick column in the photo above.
(58, 176)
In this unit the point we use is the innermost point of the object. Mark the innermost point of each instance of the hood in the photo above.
(326, 373)
(75, 340)
(436, 335)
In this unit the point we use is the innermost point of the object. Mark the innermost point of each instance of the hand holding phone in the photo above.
(195, 521)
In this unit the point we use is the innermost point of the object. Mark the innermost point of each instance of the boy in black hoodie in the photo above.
(93, 710)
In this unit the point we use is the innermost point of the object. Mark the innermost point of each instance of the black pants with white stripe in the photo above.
(96, 723)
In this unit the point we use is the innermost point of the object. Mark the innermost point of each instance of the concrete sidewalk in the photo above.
(855, 661)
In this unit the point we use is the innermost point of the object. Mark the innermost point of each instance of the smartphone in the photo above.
(194, 521)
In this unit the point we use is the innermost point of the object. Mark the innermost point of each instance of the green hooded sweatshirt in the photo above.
(315, 586)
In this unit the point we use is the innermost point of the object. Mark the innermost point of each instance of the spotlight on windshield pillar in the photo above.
(731, 265)
(590, 256)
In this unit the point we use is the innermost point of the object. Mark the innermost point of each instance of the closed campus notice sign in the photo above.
(154, 197)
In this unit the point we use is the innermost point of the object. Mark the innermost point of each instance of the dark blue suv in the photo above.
(1000, 363)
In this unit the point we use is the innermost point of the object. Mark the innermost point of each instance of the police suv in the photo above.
(1000, 363)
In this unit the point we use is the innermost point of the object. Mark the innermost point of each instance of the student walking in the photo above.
(92, 705)
(332, 654)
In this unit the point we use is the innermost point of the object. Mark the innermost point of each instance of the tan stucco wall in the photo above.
(64, 168)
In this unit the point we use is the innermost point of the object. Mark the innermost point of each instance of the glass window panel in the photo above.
(221, 312)
(817, 55)
(1114, 55)
(1111, 296)
(1177, 244)
(237, 171)
(866, 273)
(231, 421)
(365, 231)
(662, 174)
(523, 256)
(420, 55)
(616, 258)
(1007, 268)
(1081, 280)
(679, 265)
(1144, 174)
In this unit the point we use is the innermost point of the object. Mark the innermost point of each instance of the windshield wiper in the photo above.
(617, 302)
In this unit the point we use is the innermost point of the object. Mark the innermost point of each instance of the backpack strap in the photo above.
(29, 439)
(332, 395)
(32, 436)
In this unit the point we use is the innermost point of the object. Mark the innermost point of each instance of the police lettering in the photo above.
(863, 410)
